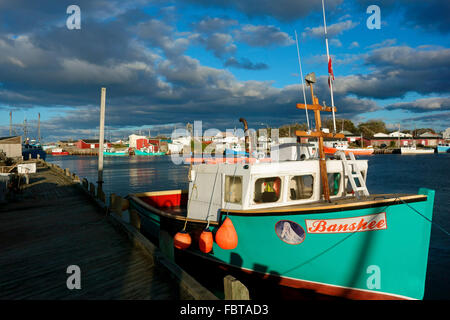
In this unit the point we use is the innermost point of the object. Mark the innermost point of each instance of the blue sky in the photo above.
(167, 63)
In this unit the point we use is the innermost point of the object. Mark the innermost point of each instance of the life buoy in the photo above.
(226, 236)
(182, 240)
(205, 242)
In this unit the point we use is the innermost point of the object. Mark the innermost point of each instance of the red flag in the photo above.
(330, 72)
(330, 68)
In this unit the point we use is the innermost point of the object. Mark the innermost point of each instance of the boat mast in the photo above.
(329, 64)
(318, 133)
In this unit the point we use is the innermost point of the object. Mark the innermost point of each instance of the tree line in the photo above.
(367, 129)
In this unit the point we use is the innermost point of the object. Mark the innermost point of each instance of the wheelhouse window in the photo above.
(334, 183)
(267, 190)
(233, 189)
(301, 187)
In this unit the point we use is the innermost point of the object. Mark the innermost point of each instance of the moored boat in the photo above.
(30, 151)
(414, 150)
(112, 152)
(443, 148)
(145, 153)
(59, 152)
(308, 223)
(347, 151)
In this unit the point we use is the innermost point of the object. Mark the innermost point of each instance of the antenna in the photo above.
(329, 65)
(301, 78)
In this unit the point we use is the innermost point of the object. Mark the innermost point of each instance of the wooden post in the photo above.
(100, 194)
(92, 189)
(166, 244)
(234, 289)
(134, 219)
(116, 205)
(67, 172)
(101, 139)
(322, 162)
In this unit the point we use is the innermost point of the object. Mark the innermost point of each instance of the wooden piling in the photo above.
(92, 189)
(166, 245)
(135, 221)
(116, 205)
(234, 289)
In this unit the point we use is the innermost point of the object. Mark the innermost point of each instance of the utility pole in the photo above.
(25, 130)
(39, 128)
(10, 123)
(101, 140)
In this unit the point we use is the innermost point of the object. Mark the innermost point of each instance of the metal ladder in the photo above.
(348, 172)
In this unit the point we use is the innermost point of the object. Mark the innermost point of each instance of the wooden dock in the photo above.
(54, 224)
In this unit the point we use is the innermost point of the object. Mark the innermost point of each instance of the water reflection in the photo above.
(124, 175)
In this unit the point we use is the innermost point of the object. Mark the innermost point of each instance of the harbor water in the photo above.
(389, 173)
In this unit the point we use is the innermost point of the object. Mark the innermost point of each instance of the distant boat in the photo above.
(112, 152)
(336, 146)
(59, 152)
(414, 150)
(147, 152)
(32, 151)
(443, 148)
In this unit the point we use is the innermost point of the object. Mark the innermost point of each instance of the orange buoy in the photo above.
(226, 236)
(205, 242)
(182, 240)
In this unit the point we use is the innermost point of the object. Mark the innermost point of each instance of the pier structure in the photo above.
(59, 240)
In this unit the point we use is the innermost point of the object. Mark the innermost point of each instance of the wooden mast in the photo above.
(318, 133)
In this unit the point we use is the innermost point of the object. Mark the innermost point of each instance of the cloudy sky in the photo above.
(165, 63)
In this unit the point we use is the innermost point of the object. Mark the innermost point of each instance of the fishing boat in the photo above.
(32, 151)
(334, 147)
(235, 150)
(413, 150)
(147, 152)
(443, 148)
(113, 152)
(59, 152)
(307, 223)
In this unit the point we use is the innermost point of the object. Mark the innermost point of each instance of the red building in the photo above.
(91, 144)
(145, 143)
(386, 142)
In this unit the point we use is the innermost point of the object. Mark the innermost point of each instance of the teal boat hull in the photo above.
(443, 149)
(105, 153)
(142, 153)
(388, 262)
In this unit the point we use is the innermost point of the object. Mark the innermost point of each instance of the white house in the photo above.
(396, 134)
(381, 135)
(132, 140)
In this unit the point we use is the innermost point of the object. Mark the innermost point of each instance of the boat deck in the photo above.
(54, 225)
(337, 204)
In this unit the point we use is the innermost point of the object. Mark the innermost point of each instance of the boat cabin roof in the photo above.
(240, 186)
